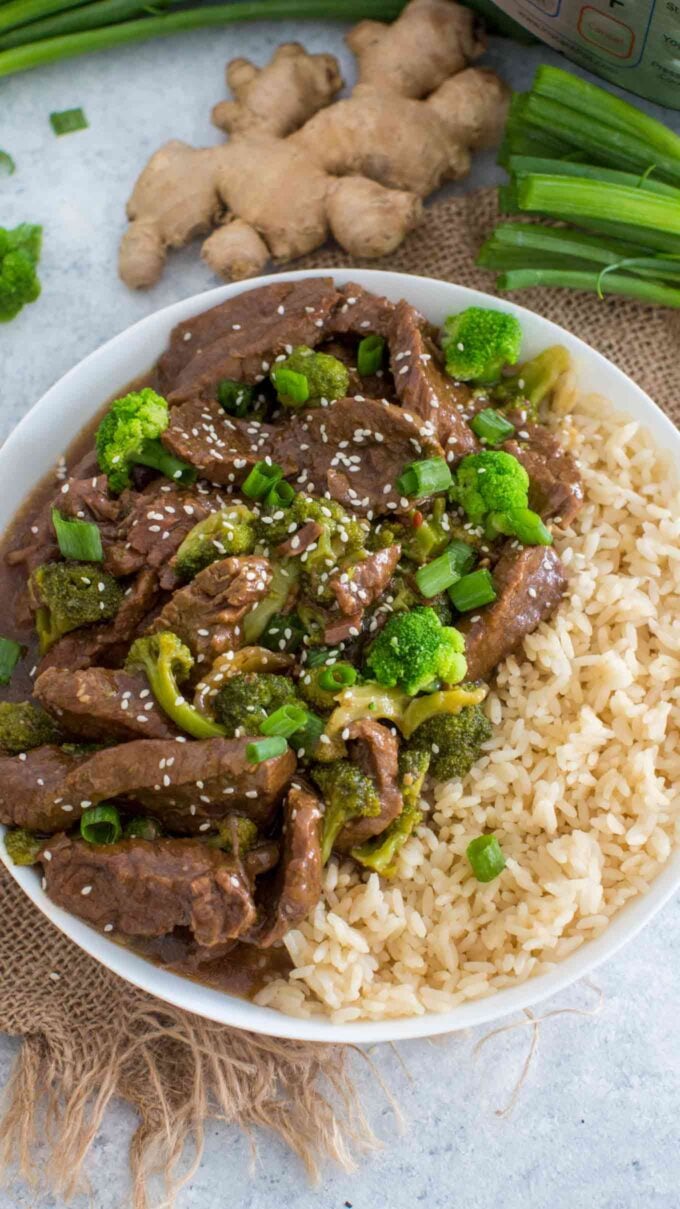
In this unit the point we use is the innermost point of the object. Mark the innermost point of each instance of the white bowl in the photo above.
(48, 429)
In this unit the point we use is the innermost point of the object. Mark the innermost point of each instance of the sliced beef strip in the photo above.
(363, 386)
(300, 541)
(142, 889)
(422, 385)
(223, 448)
(155, 524)
(375, 750)
(354, 450)
(556, 487)
(360, 587)
(206, 614)
(108, 643)
(240, 338)
(342, 629)
(530, 583)
(296, 887)
(360, 313)
(102, 703)
(185, 785)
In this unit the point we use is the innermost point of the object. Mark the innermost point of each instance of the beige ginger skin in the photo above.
(300, 166)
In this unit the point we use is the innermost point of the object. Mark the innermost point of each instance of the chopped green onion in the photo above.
(101, 824)
(284, 721)
(155, 455)
(490, 426)
(425, 478)
(283, 632)
(261, 479)
(318, 655)
(521, 523)
(486, 858)
(10, 654)
(68, 121)
(142, 828)
(78, 539)
(281, 495)
(336, 677)
(473, 591)
(7, 165)
(456, 560)
(290, 386)
(265, 749)
(235, 397)
(370, 355)
(304, 742)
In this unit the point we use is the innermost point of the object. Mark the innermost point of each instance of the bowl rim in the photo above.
(222, 1006)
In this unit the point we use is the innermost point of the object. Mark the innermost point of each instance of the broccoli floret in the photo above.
(19, 256)
(69, 595)
(479, 342)
(24, 725)
(453, 741)
(22, 846)
(167, 662)
(380, 853)
(229, 531)
(248, 698)
(277, 524)
(348, 794)
(414, 650)
(311, 692)
(129, 436)
(327, 378)
(413, 768)
(430, 537)
(235, 833)
(531, 384)
(490, 481)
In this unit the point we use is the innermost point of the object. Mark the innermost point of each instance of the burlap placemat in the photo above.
(88, 1036)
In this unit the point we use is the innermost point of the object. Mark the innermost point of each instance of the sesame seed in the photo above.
(86, 890)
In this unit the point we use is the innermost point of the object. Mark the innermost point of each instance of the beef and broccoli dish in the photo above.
(259, 613)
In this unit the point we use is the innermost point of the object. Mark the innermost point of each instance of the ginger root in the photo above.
(300, 166)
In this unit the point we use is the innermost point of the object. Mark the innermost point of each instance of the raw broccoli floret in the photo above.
(490, 481)
(531, 384)
(69, 595)
(479, 342)
(348, 794)
(248, 698)
(380, 853)
(19, 256)
(326, 377)
(229, 531)
(167, 662)
(453, 741)
(129, 436)
(24, 725)
(22, 846)
(414, 650)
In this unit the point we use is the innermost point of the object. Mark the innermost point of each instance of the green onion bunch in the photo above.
(577, 155)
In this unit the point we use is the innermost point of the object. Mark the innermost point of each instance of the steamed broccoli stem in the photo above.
(326, 377)
(534, 381)
(361, 701)
(479, 342)
(445, 701)
(23, 726)
(348, 794)
(22, 847)
(229, 531)
(248, 698)
(166, 661)
(491, 481)
(284, 577)
(414, 649)
(69, 595)
(381, 852)
(153, 454)
(413, 768)
(453, 741)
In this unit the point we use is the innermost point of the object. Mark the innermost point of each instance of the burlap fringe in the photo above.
(179, 1071)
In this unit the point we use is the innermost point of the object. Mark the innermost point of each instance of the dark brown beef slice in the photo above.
(107, 643)
(142, 889)
(185, 785)
(556, 487)
(360, 313)
(365, 583)
(240, 338)
(206, 614)
(223, 448)
(530, 583)
(156, 522)
(375, 750)
(102, 703)
(296, 887)
(422, 385)
(325, 440)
